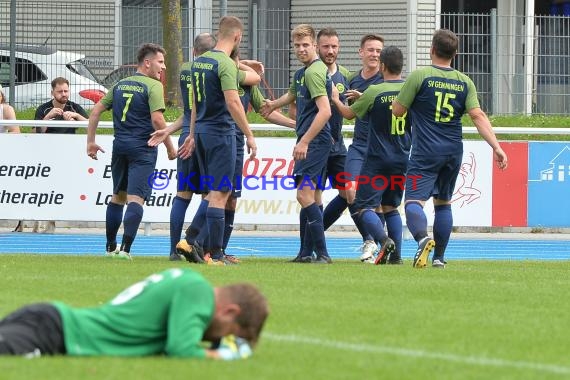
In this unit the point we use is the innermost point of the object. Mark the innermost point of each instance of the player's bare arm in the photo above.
(159, 124)
(252, 78)
(271, 105)
(238, 114)
(158, 136)
(483, 125)
(278, 118)
(92, 147)
(187, 147)
(344, 110)
(257, 66)
(398, 109)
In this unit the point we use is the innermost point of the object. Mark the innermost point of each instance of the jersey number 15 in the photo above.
(443, 103)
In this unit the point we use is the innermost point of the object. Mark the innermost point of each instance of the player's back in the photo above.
(186, 94)
(133, 99)
(389, 136)
(212, 73)
(136, 322)
(442, 97)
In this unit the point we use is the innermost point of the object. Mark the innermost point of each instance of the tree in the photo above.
(172, 42)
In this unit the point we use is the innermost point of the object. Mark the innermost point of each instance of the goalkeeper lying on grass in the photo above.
(170, 313)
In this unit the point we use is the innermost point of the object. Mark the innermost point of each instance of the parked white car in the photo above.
(37, 66)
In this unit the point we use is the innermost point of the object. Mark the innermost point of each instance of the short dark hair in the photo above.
(58, 80)
(204, 42)
(393, 59)
(327, 32)
(370, 37)
(445, 43)
(147, 50)
(254, 309)
(228, 26)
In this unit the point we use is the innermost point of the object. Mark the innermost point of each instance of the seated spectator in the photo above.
(60, 108)
(7, 113)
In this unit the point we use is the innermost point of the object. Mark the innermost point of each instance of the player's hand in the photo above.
(157, 137)
(352, 95)
(334, 94)
(300, 151)
(257, 66)
(266, 108)
(233, 348)
(251, 147)
(187, 148)
(92, 150)
(500, 158)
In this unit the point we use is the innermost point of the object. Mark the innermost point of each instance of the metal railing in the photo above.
(273, 127)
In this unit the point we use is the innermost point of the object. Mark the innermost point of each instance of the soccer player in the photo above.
(168, 313)
(370, 47)
(310, 89)
(249, 95)
(386, 157)
(185, 186)
(215, 107)
(328, 47)
(184, 191)
(188, 175)
(138, 105)
(436, 98)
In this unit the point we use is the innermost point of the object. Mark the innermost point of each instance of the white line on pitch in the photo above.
(474, 360)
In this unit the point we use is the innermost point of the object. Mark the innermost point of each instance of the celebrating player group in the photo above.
(404, 129)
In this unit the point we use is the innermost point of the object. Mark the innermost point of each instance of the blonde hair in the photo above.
(304, 30)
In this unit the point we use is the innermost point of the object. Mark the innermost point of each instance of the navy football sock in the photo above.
(381, 217)
(354, 214)
(307, 246)
(442, 227)
(177, 215)
(333, 211)
(202, 238)
(416, 220)
(198, 222)
(215, 220)
(113, 219)
(315, 224)
(131, 223)
(394, 226)
(228, 226)
(370, 221)
(302, 228)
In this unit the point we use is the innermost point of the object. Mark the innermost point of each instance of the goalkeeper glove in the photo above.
(233, 347)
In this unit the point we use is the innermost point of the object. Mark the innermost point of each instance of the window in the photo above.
(27, 72)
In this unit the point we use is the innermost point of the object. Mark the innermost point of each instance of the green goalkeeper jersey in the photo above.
(166, 313)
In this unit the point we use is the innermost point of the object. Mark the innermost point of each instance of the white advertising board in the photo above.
(50, 177)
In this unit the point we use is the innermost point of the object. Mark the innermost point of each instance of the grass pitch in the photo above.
(473, 320)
